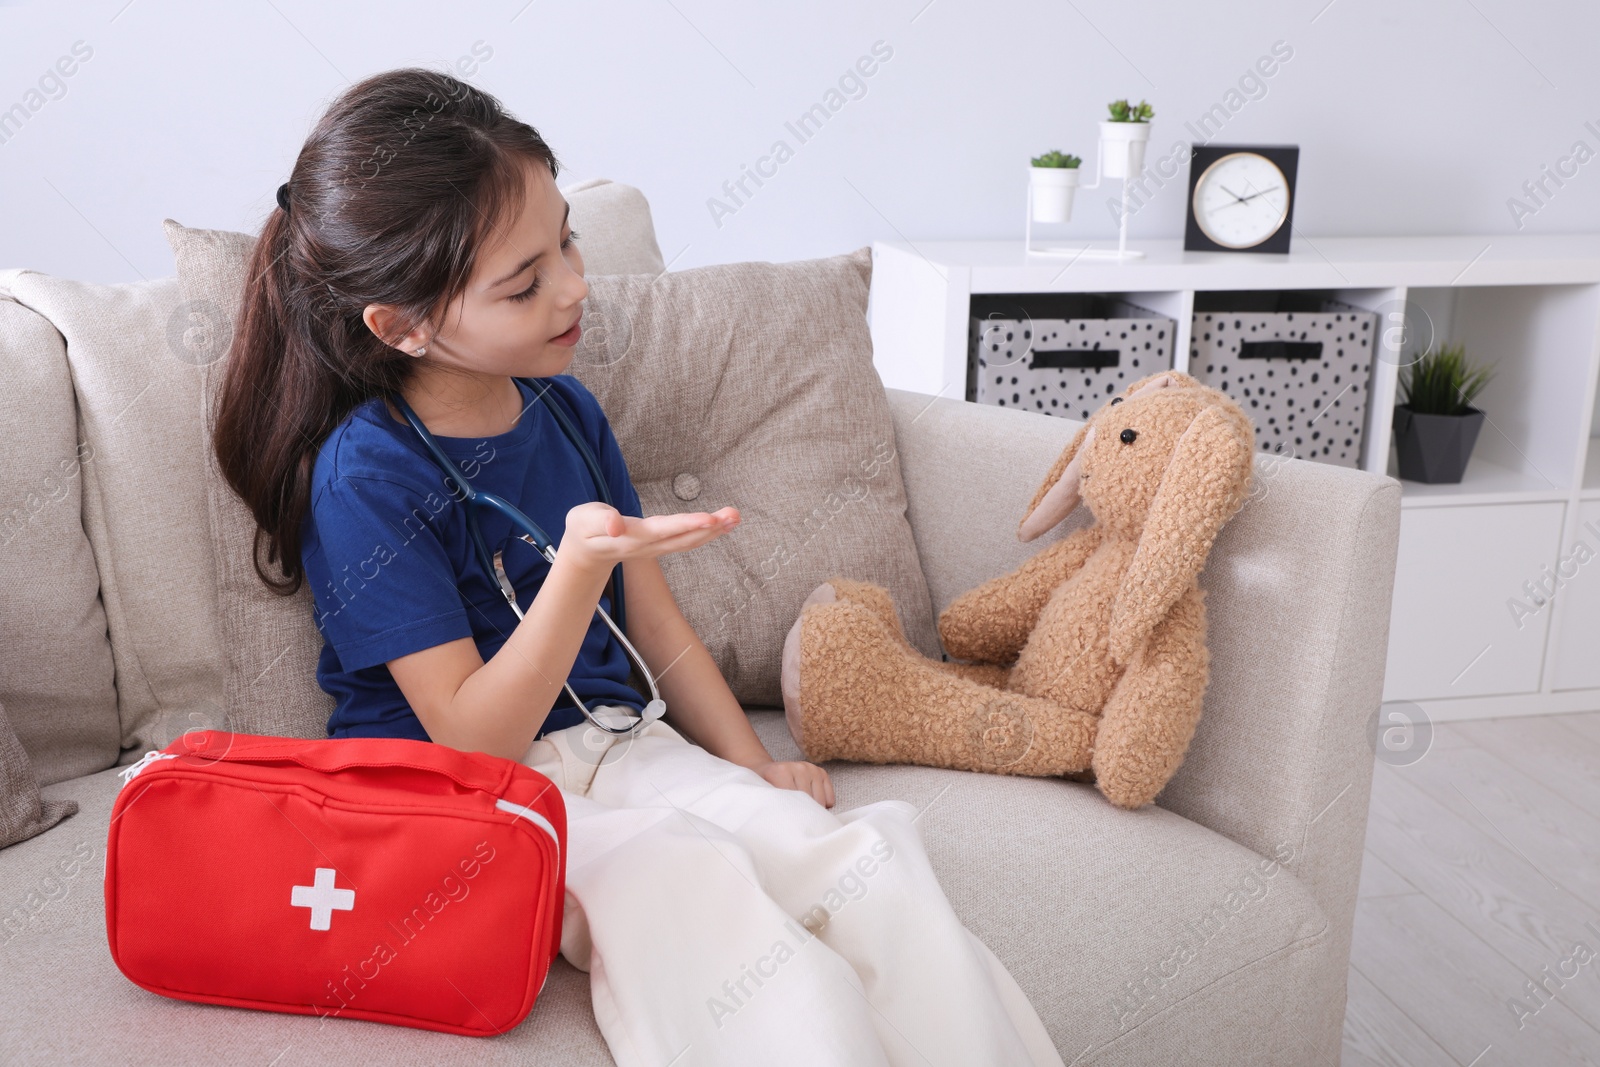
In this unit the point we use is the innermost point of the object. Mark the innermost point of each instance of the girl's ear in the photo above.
(380, 320)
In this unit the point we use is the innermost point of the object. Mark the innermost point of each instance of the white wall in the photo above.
(1413, 116)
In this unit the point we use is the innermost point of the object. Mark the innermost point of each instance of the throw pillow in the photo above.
(752, 384)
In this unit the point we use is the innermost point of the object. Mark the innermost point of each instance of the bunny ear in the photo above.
(1058, 494)
(1204, 485)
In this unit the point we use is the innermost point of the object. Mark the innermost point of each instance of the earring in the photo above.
(422, 351)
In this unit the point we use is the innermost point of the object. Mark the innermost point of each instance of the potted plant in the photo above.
(1435, 425)
(1055, 178)
(1123, 138)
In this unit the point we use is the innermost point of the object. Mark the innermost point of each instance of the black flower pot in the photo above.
(1435, 448)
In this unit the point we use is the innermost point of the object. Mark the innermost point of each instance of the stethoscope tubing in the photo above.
(472, 498)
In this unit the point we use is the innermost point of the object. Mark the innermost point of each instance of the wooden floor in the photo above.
(1477, 933)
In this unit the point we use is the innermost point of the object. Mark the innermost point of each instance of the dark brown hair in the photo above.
(389, 202)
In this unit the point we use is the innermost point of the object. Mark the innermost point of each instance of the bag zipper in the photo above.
(130, 772)
(534, 817)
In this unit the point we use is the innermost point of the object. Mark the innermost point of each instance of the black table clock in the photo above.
(1241, 198)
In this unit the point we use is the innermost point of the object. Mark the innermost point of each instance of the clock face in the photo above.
(1241, 200)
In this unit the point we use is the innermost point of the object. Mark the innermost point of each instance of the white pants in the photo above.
(724, 920)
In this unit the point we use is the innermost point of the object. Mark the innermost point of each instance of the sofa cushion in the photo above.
(138, 430)
(1089, 907)
(1139, 937)
(56, 674)
(748, 384)
(22, 813)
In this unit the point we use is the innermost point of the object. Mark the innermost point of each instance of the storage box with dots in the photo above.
(1299, 363)
(1061, 354)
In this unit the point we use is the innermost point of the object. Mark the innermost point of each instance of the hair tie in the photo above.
(283, 197)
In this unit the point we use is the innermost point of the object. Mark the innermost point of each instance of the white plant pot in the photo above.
(1053, 188)
(1122, 148)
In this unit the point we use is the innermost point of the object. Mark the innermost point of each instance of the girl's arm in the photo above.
(700, 704)
(497, 707)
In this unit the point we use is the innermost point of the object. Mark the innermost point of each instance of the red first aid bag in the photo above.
(386, 879)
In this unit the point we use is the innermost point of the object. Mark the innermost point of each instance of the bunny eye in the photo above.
(1128, 436)
(1117, 399)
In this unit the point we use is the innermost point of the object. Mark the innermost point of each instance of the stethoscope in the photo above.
(533, 535)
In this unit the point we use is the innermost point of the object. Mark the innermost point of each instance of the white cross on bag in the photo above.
(322, 898)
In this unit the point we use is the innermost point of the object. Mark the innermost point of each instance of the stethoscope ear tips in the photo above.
(653, 711)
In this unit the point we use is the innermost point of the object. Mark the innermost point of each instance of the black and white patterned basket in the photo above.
(1302, 375)
(1061, 353)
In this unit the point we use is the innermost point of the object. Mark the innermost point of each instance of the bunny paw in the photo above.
(839, 659)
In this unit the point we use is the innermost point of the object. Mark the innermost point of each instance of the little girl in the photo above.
(723, 913)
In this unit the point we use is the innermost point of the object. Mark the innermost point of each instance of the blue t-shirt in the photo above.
(392, 566)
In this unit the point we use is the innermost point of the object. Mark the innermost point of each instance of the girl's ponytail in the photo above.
(388, 203)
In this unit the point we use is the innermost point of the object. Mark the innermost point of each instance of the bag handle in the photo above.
(471, 770)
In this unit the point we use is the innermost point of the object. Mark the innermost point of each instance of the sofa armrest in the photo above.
(1297, 598)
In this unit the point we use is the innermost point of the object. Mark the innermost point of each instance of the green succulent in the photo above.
(1442, 383)
(1054, 158)
(1122, 111)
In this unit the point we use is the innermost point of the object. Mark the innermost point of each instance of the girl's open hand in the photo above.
(800, 775)
(599, 536)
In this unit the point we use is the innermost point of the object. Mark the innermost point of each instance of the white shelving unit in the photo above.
(1530, 501)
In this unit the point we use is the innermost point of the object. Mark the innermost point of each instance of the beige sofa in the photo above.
(1211, 928)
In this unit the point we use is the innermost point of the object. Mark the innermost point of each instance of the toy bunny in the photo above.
(1090, 656)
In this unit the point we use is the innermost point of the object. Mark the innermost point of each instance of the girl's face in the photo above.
(519, 313)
